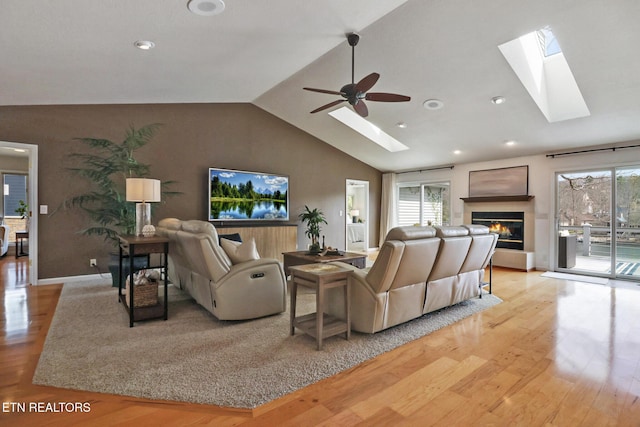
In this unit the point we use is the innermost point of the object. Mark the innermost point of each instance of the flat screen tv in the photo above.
(247, 196)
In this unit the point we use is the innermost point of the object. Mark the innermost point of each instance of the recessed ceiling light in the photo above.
(144, 44)
(401, 125)
(510, 143)
(457, 152)
(498, 100)
(433, 104)
(206, 7)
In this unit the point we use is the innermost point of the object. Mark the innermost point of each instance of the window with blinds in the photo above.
(424, 204)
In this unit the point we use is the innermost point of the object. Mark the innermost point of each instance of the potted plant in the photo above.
(313, 218)
(23, 211)
(107, 166)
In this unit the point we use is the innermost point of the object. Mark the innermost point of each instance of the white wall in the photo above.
(542, 171)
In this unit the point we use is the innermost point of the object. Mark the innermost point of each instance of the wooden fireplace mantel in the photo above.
(523, 198)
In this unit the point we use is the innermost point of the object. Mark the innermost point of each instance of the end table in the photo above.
(320, 277)
(134, 245)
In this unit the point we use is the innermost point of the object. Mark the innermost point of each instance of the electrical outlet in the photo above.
(93, 262)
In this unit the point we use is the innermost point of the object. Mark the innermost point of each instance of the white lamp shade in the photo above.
(143, 190)
(355, 212)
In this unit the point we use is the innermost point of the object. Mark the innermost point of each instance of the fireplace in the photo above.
(508, 225)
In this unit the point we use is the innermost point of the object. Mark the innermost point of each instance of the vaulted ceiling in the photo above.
(265, 52)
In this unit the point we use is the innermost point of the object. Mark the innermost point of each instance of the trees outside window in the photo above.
(424, 204)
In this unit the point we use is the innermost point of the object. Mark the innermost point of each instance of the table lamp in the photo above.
(355, 213)
(143, 191)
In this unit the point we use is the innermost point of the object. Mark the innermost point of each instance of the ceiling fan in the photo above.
(356, 93)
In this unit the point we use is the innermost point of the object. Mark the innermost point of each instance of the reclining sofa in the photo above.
(200, 266)
(418, 270)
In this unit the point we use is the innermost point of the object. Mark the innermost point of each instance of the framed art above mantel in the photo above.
(507, 182)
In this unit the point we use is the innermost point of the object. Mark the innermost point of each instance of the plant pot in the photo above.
(139, 262)
(314, 249)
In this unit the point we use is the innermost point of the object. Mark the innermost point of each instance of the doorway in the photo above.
(357, 216)
(598, 222)
(19, 164)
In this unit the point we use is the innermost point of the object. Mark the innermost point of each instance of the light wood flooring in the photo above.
(554, 353)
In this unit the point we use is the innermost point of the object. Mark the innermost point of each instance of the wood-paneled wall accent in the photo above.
(271, 241)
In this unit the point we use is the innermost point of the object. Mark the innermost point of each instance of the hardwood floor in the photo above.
(554, 353)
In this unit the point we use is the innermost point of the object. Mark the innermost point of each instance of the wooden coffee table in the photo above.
(320, 277)
(303, 257)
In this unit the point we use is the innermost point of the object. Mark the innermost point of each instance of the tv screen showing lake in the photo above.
(239, 195)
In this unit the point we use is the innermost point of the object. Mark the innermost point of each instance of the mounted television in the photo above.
(247, 196)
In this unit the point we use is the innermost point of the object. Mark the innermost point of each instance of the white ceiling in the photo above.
(264, 52)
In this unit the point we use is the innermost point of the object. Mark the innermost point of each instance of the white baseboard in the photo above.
(56, 280)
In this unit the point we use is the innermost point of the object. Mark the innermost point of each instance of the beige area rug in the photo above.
(193, 357)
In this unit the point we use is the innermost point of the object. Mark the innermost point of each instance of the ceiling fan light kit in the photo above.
(357, 93)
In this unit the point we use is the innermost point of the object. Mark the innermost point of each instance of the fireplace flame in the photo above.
(502, 230)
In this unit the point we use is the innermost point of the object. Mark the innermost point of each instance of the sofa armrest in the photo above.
(357, 276)
(367, 307)
(249, 290)
(254, 269)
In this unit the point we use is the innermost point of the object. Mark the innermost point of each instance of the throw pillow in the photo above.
(240, 251)
(235, 237)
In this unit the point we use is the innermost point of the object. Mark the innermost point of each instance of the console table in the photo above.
(134, 245)
(271, 240)
(20, 236)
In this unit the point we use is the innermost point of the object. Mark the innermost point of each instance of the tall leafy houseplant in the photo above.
(107, 166)
(314, 218)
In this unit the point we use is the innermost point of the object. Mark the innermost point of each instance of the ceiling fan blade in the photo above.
(330, 92)
(367, 82)
(386, 97)
(329, 105)
(361, 108)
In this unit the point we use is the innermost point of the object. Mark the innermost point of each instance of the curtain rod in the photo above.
(428, 169)
(553, 156)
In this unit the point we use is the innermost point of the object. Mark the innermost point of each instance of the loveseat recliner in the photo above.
(199, 265)
(418, 270)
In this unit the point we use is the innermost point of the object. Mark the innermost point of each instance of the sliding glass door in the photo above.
(627, 237)
(598, 222)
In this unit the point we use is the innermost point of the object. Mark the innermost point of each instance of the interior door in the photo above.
(357, 216)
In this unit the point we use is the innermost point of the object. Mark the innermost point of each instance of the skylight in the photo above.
(367, 129)
(548, 42)
(539, 63)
